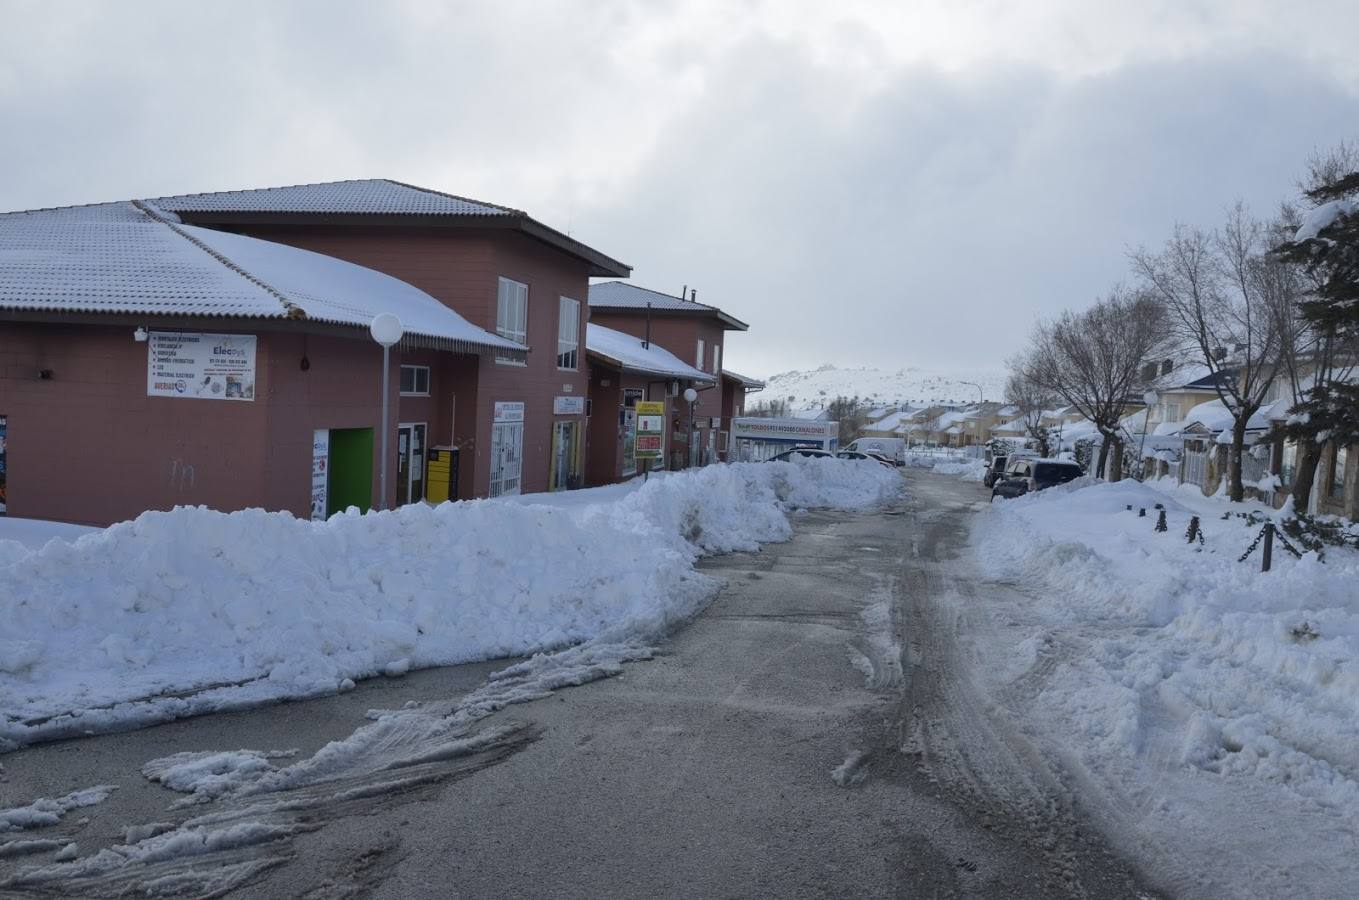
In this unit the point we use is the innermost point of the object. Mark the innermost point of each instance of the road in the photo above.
(814, 733)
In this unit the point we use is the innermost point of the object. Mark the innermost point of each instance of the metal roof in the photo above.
(118, 258)
(744, 379)
(368, 196)
(372, 201)
(615, 295)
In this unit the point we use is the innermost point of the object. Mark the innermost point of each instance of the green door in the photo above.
(351, 470)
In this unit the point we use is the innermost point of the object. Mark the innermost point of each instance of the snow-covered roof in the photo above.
(743, 379)
(368, 198)
(627, 352)
(1014, 426)
(617, 295)
(888, 422)
(116, 258)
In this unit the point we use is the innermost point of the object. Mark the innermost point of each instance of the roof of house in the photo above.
(888, 422)
(743, 379)
(627, 353)
(615, 295)
(361, 201)
(118, 258)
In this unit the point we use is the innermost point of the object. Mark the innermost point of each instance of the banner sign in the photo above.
(509, 412)
(650, 429)
(568, 406)
(320, 469)
(200, 366)
(3, 495)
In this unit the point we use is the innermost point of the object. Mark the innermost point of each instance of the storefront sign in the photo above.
(631, 396)
(650, 429)
(568, 406)
(509, 412)
(320, 470)
(199, 365)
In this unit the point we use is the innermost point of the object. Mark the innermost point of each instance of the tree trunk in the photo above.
(1116, 464)
(1103, 457)
(1309, 456)
(1236, 492)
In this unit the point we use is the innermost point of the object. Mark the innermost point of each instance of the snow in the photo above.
(18, 536)
(1187, 689)
(48, 811)
(628, 352)
(193, 611)
(1323, 217)
(904, 387)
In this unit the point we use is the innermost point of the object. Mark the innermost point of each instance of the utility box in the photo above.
(441, 474)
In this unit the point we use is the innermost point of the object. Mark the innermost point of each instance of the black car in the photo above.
(1025, 475)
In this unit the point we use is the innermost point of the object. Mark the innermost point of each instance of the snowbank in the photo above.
(966, 470)
(192, 610)
(1160, 658)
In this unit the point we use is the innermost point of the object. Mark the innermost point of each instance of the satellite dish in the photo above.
(386, 329)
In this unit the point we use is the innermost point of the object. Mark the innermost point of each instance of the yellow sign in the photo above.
(650, 429)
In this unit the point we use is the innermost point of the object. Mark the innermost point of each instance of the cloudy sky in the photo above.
(890, 184)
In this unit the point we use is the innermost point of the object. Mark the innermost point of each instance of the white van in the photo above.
(892, 448)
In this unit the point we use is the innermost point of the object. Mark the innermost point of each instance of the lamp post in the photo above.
(980, 397)
(691, 395)
(386, 329)
(1149, 398)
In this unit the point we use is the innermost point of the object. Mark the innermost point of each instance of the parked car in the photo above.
(812, 452)
(855, 454)
(996, 467)
(1027, 474)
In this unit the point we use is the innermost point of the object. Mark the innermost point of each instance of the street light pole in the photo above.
(980, 397)
(386, 329)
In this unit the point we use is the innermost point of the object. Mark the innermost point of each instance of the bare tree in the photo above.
(1225, 294)
(1093, 359)
(1032, 401)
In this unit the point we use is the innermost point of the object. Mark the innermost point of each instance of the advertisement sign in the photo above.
(631, 396)
(201, 366)
(320, 469)
(650, 429)
(568, 406)
(509, 412)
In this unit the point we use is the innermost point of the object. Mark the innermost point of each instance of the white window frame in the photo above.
(511, 315)
(699, 355)
(568, 338)
(415, 381)
(717, 359)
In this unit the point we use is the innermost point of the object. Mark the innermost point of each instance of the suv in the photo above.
(996, 468)
(1024, 475)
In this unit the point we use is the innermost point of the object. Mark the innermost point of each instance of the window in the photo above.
(717, 359)
(1172, 412)
(1288, 463)
(415, 381)
(698, 364)
(1339, 460)
(568, 333)
(511, 314)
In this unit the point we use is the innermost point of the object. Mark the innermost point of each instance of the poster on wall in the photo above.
(320, 471)
(568, 406)
(202, 366)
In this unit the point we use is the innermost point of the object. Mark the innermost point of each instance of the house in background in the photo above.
(516, 421)
(625, 370)
(691, 331)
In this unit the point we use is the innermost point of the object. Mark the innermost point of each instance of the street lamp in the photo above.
(691, 395)
(1149, 398)
(980, 397)
(386, 329)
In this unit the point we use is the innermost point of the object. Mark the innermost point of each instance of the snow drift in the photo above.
(192, 610)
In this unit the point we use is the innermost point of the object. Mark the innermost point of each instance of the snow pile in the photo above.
(1164, 654)
(966, 470)
(192, 610)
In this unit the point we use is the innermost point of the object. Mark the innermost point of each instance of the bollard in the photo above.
(1161, 521)
(1142, 513)
(1129, 507)
(1193, 532)
(1269, 547)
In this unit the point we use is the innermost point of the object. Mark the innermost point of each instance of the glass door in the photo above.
(410, 463)
(507, 440)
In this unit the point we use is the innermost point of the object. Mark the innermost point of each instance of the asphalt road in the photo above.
(812, 734)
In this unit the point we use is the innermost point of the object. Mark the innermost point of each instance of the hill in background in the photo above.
(904, 387)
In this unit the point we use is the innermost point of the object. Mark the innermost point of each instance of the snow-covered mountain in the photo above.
(910, 386)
